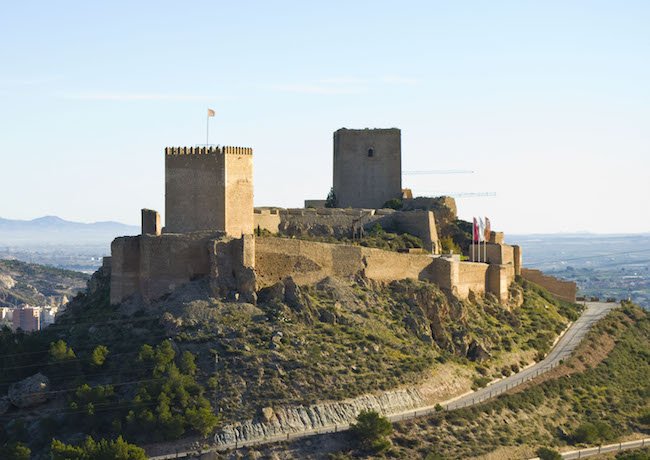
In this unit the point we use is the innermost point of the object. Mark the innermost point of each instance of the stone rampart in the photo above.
(471, 277)
(499, 278)
(155, 265)
(309, 262)
(151, 266)
(564, 290)
(267, 219)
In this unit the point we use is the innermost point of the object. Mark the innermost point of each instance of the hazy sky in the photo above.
(548, 101)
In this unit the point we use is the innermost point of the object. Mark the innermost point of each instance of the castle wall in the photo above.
(367, 167)
(266, 219)
(309, 262)
(343, 222)
(564, 290)
(496, 253)
(471, 277)
(155, 265)
(125, 267)
(171, 260)
(516, 254)
(499, 278)
(388, 265)
(151, 265)
(421, 224)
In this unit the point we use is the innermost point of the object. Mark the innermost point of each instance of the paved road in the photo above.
(591, 451)
(565, 346)
(562, 350)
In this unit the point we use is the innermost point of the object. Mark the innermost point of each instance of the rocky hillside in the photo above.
(190, 365)
(599, 396)
(33, 284)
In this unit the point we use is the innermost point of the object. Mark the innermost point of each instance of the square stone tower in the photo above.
(367, 167)
(209, 188)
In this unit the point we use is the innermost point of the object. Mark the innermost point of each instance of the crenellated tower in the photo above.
(209, 188)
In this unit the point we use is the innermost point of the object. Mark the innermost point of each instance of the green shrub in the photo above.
(60, 351)
(371, 430)
(15, 451)
(99, 355)
(97, 450)
(590, 433)
(544, 453)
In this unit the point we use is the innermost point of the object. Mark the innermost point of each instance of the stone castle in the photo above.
(212, 231)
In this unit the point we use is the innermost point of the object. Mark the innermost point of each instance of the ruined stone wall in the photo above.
(341, 223)
(367, 167)
(209, 188)
(266, 219)
(421, 224)
(564, 290)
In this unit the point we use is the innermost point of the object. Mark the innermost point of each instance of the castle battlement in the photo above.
(215, 150)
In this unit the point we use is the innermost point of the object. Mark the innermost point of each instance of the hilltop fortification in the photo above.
(213, 232)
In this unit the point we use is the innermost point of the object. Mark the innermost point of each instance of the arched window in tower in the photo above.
(371, 152)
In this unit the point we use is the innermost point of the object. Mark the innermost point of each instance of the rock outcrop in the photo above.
(30, 392)
(283, 420)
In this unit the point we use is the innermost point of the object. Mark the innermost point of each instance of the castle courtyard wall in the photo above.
(266, 219)
(341, 223)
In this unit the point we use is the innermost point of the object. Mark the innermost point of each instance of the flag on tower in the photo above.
(481, 227)
(475, 231)
(488, 229)
(210, 113)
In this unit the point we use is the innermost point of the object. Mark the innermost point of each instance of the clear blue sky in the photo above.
(549, 102)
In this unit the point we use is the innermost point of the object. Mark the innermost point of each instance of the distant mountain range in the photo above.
(54, 230)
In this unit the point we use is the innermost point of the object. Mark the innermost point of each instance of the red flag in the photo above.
(475, 233)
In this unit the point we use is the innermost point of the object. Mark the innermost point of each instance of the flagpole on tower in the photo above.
(207, 127)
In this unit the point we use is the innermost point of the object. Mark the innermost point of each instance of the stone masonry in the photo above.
(367, 167)
(209, 189)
